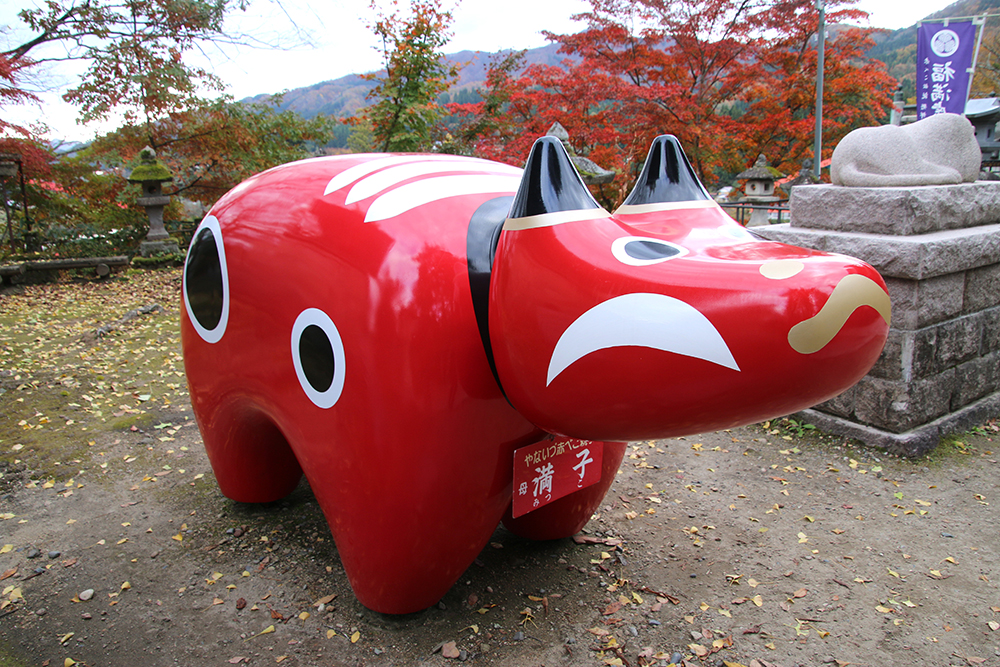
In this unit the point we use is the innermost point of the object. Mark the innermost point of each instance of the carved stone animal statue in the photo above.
(397, 327)
(938, 150)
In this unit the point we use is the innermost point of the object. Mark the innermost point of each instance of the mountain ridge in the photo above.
(344, 96)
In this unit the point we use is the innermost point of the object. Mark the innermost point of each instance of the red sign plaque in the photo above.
(548, 470)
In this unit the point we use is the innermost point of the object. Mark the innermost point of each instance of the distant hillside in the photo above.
(344, 96)
(898, 49)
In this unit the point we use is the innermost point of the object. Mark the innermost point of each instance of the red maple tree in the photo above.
(730, 78)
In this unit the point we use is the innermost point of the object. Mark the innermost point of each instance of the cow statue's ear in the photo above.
(667, 176)
(550, 183)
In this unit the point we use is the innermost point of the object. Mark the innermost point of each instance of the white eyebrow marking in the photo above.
(642, 320)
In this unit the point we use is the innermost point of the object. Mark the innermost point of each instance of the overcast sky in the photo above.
(341, 44)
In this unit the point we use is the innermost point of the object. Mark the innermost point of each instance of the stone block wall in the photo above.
(938, 249)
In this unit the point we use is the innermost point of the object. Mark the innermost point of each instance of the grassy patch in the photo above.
(952, 449)
(8, 658)
(62, 385)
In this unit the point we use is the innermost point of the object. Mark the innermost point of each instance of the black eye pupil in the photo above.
(316, 354)
(204, 280)
(650, 250)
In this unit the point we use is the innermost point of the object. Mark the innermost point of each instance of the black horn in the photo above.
(667, 176)
(550, 183)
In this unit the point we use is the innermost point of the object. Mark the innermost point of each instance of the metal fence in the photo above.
(742, 211)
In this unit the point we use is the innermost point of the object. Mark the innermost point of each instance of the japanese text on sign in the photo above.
(944, 58)
(551, 469)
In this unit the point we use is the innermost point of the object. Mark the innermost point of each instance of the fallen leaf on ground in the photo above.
(450, 650)
(268, 630)
(699, 650)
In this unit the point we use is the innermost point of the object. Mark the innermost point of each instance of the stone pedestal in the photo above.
(760, 215)
(154, 248)
(938, 249)
(157, 241)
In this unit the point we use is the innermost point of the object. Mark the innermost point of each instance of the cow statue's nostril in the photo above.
(641, 251)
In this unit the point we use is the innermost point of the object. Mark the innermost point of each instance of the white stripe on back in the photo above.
(410, 196)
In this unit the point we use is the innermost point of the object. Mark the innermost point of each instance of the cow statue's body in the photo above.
(396, 326)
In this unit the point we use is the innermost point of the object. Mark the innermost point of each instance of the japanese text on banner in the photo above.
(944, 58)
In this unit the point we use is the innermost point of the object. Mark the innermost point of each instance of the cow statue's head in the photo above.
(666, 317)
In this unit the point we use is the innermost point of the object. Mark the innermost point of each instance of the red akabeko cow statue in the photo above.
(442, 343)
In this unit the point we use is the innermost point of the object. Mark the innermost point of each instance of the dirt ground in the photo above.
(771, 543)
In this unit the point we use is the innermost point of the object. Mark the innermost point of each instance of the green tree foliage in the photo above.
(362, 138)
(85, 205)
(406, 111)
(211, 148)
(88, 212)
(486, 125)
(134, 49)
(987, 79)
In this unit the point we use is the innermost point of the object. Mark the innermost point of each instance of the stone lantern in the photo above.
(9, 164)
(804, 177)
(151, 174)
(12, 166)
(759, 189)
(590, 171)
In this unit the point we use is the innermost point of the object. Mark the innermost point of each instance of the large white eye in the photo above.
(318, 355)
(643, 251)
(206, 282)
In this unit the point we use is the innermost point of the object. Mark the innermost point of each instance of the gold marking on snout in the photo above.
(852, 292)
(781, 269)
